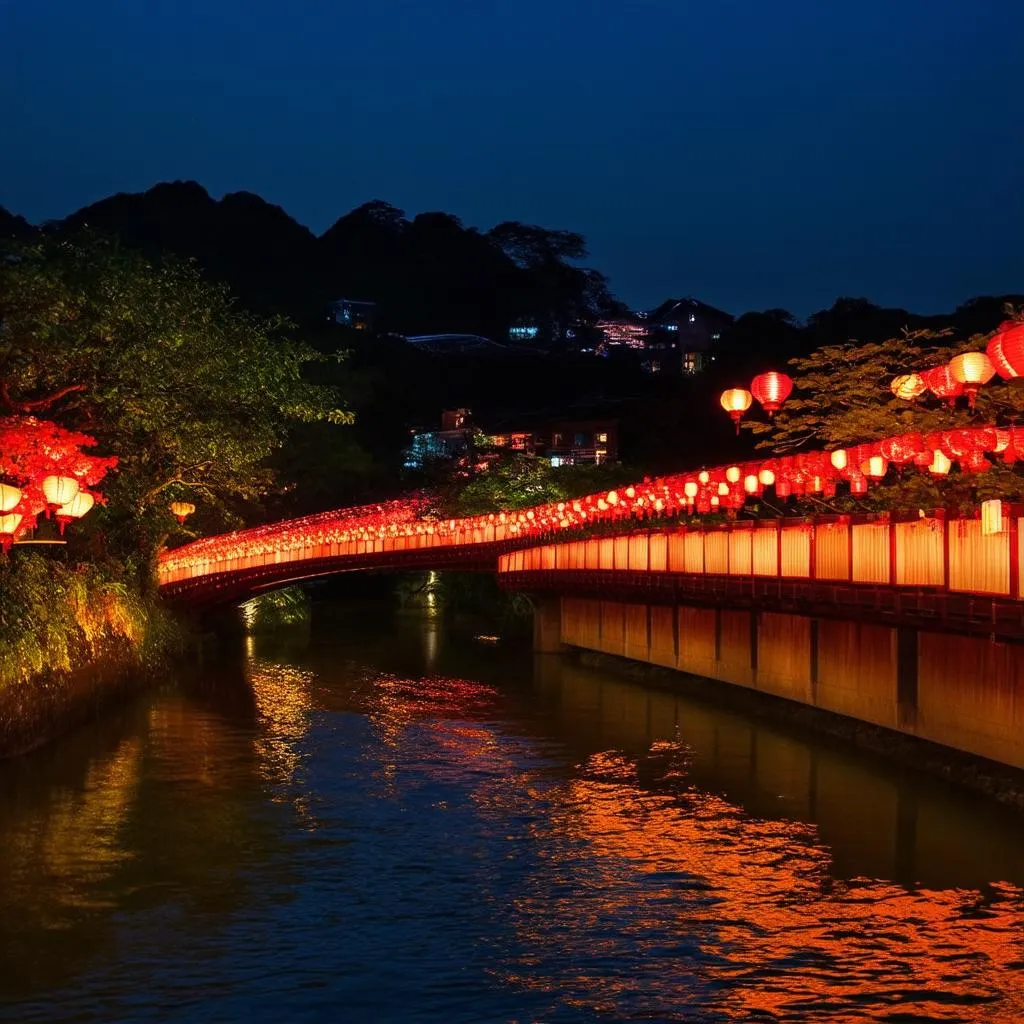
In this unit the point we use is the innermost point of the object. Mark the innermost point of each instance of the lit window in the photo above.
(690, 362)
(556, 440)
(715, 336)
(557, 460)
(693, 318)
(602, 438)
(600, 454)
(672, 327)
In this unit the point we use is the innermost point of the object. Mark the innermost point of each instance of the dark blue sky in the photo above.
(753, 153)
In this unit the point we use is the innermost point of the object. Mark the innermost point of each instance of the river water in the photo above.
(388, 821)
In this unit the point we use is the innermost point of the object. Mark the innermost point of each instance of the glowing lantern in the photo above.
(838, 459)
(771, 390)
(766, 477)
(8, 527)
(751, 484)
(9, 497)
(715, 501)
(991, 517)
(74, 509)
(181, 510)
(875, 467)
(940, 464)
(858, 484)
(690, 489)
(613, 498)
(971, 369)
(733, 474)
(59, 490)
(1006, 350)
(907, 386)
(941, 382)
(723, 489)
(736, 401)
(703, 476)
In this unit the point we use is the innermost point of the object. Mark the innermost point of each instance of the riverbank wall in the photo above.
(953, 704)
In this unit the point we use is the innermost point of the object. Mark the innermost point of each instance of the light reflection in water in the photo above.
(421, 830)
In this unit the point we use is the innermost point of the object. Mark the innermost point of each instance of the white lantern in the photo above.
(59, 490)
(9, 497)
(77, 506)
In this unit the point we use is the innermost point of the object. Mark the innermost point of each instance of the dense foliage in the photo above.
(190, 392)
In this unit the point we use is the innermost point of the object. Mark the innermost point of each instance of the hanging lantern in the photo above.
(875, 467)
(690, 489)
(838, 459)
(940, 464)
(1006, 350)
(59, 490)
(733, 474)
(751, 484)
(9, 497)
(972, 370)
(766, 477)
(74, 509)
(723, 489)
(771, 390)
(976, 463)
(907, 386)
(703, 476)
(736, 401)
(8, 528)
(858, 483)
(941, 382)
(181, 510)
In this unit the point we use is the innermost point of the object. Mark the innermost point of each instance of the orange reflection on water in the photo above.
(686, 889)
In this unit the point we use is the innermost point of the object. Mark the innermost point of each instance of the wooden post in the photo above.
(945, 551)
(547, 626)
(1014, 554)
(892, 552)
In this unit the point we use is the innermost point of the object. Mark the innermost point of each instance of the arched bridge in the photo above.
(833, 561)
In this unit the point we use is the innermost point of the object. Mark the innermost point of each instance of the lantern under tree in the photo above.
(59, 490)
(1006, 350)
(736, 401)
(74, 509)
(771, 389)
(181, 510)
(907, 386)
(972, 369)
(9, 497)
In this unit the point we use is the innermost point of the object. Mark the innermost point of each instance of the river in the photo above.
(390, 821)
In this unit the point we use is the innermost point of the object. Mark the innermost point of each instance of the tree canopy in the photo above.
(192, 393)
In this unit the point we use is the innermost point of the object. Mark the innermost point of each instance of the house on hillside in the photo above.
(689, 328)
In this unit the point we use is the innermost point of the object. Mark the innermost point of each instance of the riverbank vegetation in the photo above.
(192, 394)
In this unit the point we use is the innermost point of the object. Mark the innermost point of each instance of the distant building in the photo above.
(355, 314)
(678, 335)
(452, 443)
(573, 442)
(688, 327)
(523, 332)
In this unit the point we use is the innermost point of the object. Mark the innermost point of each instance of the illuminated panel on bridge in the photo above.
(402, 525)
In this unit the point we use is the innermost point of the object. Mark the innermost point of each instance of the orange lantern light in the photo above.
(875, 467)
(991, 517)
(181, 510)
(771, 389)
(751, 484)
(907, 386)
(733, 474)
(736, 401)
(839, 459)
(972, 370)
(941, 382)
(766, 477)
(690, 489)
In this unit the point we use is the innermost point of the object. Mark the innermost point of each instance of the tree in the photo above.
(189, 391)
(842, 397)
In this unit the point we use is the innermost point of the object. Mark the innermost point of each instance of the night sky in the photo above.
(752, 153)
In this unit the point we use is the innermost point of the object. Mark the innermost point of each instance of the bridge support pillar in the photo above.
(547, 625)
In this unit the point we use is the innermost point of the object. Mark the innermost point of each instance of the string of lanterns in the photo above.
(44, 470)
(712, 490)
(968, 372)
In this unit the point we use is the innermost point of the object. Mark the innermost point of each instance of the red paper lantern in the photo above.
(771, 389)
(941, 382)
(1006, 350)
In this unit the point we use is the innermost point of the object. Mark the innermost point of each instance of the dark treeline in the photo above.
(432, 274)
